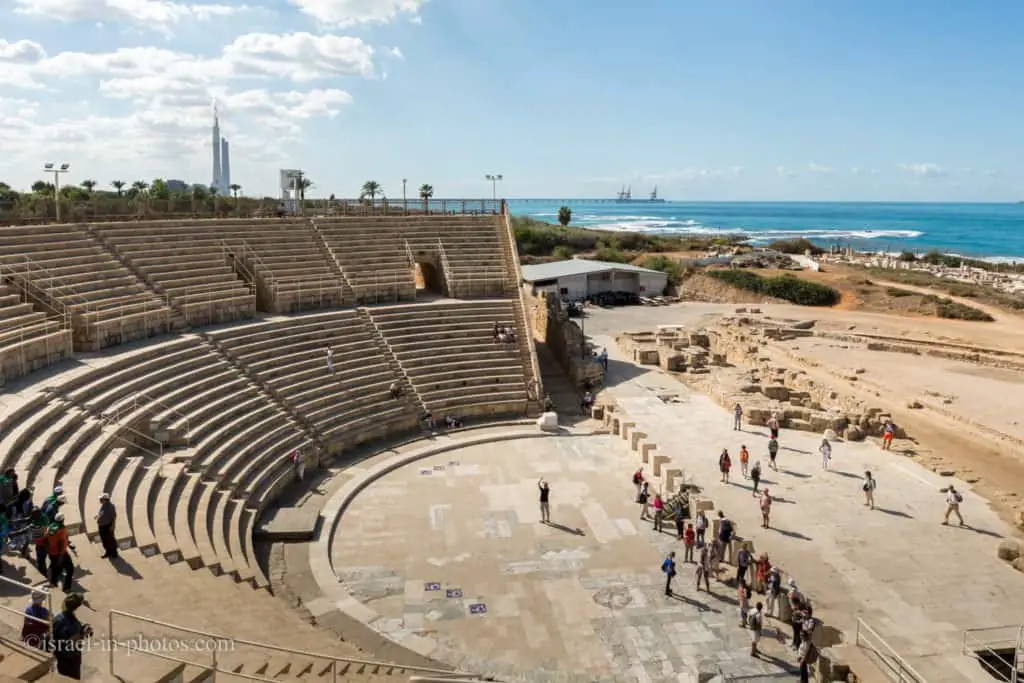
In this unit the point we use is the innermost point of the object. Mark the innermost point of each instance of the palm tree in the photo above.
(235, 187)
(118, 185)
(371, 188)
(426, 191)
(138, 187)
(89, 185)
(564, 215)
(304, 184)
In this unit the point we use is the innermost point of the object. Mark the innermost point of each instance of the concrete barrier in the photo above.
(646, 452)
(659, 462)
(672, 476)
(635, 439)
(626, 428)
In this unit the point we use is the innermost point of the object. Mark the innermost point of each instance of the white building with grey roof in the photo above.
(580, 278)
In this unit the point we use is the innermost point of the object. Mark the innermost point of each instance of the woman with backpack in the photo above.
(700, 523)
(643, 499)
(773, 451)
(724, 465)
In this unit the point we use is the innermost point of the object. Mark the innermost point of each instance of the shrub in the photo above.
(786, 287)
(606, 253)
(563, 252)
(796, 246)
(908, 256)
(670, 267)
(946, 308)
(897, 292)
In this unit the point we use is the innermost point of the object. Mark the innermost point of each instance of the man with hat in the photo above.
(35, 632)
(53, 502)
(68, 635)
(57, 548)
(105, 520)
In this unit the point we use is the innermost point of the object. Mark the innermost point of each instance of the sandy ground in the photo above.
(971, 423)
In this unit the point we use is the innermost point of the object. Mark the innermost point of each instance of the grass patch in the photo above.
(982, 293)
(954, 310)
(670, 267)
(785, 287)
(897, 292)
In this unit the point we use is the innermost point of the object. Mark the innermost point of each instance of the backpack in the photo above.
(636, 477)
(957, 497)
(666, 566)
(726, 531)
(754, 621)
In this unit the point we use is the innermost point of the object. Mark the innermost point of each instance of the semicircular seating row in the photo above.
(231, 407)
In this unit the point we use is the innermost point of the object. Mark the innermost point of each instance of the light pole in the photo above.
(495, 179)
(56, 170)
(405, 205)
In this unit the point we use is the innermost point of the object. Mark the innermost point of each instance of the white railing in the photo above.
(993, 640)
(190, 298)
(15, 343)
(325, 248)
(892, 663)
(30, 589)
(446, 268)
(47, 294)
(320, 285)
(142, 400)
(231, 645)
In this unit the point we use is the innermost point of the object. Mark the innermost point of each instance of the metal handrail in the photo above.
(445, 268)
(1016, 642)
(27, 283)
(510, 244)
(334, 659)
(136, 403)
(894, 663)
(325, 247)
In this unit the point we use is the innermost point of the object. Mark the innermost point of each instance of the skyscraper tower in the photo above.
(217, 179)
(225, 167)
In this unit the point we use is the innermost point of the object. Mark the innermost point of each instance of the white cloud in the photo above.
(785, 171)
(924, 170)
(396, 53)
(159, 15)
(819, 169)
(21, 52)
(343, 13)
(301, 56)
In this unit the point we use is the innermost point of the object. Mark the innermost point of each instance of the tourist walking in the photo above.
(796, 611)
(680, 518)
(298, 464)
(700, 522)
(772, 590)
(644, 499)
(659, 512)
(35, 631)
(715, 557)
(743, 560)
(67, 632)
(726, 532)
(762, 565)
(737, 417)
(669, 568)
(887, 435)
(330, 360)
(689, 541)
(755, 624)
(545, 501)
(953, 500)
(58, 547)
(868, 487)
(773, 452)
(826, 453)
(807, 653)
(743, 598)
(744, 461)
(704, 568)
(724, 465)
(602, 358)
(755, 478)
(106, 520)
(38, 523)
(773, 426)
(638, 482)
(766, 509)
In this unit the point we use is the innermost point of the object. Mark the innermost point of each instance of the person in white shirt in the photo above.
(869, 490)
(953, 500)
(330, 360)
(826, 453)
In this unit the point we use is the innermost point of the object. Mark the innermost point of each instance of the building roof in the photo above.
(553, 271)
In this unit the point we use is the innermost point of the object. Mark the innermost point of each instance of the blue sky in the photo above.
(752, 99)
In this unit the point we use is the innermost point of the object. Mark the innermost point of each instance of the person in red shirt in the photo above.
(689, 541)
(744, 460)
(724, 465)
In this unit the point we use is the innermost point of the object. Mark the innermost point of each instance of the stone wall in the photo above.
(551, 326)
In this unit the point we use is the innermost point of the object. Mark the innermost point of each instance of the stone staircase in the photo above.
(409, 391)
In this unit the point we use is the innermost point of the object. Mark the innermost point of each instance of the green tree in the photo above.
(118, 185)
(42, 187)
(563, 251)
(89, 186)
(159, 190)
(426, 191)
(564, 215)
(371, 188)
(139, 187)
(198, 193)
(235, 188)
(304, 184)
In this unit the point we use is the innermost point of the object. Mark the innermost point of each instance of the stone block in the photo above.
(1009, 550)
(704, 504)
(597, 412)
(674, 478)
(776, 392)
(625, 429)
(548, 422)
(634, 440)
(647, 452)
(659, 462)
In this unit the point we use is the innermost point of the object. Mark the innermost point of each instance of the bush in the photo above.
(897, 292)
(785, 287)
(606, 253)
(796, 246)
(670, 267)
(908, 256)
(946, 308)
(562, 252)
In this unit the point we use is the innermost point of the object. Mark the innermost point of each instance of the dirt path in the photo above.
(998, 314)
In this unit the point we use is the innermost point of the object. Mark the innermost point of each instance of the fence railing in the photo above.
(888, 659)
(384, 206)
(142, 400)
(14, 344)
(510, 252)
(989, 645)
(317, 286)
(213, 644)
